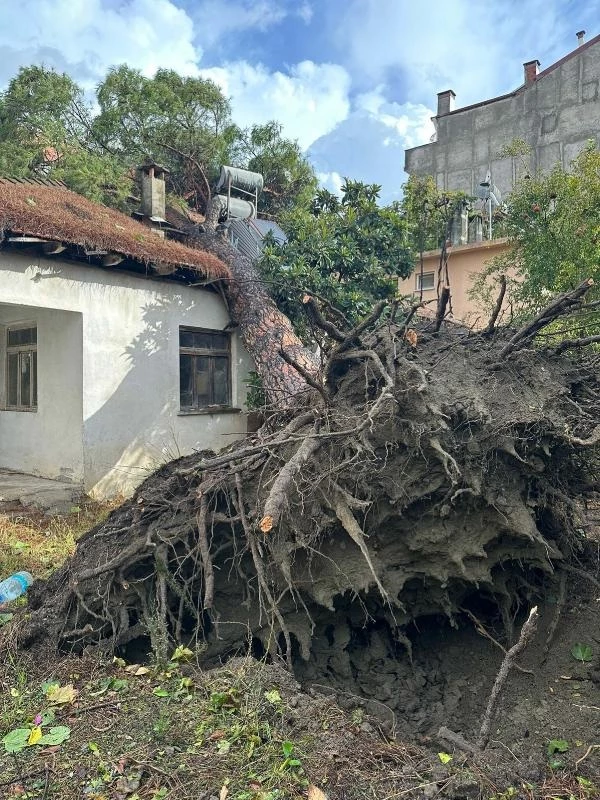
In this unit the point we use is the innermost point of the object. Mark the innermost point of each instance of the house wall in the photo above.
(48, 441)
(556, 115)
(464, 263)
(129, 368)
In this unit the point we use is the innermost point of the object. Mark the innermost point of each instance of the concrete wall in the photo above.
(48, 441)
(464, 263)
(556, 115)
(129, 385)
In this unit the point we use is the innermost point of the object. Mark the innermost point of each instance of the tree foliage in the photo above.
(49, 128)
(429, 212)
(348, 250)
(553, 227)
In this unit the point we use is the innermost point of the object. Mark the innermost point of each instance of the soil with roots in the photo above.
(386, 539)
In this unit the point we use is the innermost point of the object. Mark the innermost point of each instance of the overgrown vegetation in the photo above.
(347, 251)
(553, 226)
(49, 128)
(37, 543)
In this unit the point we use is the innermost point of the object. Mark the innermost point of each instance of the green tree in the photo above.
(183, 123)
(289, 178)
(349, 251)
(553, 226)
(46, 131)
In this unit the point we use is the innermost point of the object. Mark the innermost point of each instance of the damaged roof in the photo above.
(49, 210)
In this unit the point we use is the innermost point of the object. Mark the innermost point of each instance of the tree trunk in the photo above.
(264, 329)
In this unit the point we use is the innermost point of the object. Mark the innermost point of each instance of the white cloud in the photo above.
(369, 144)
(332, 181)
(85, 37)
(476, 49)
(309, 100)
(213, 21)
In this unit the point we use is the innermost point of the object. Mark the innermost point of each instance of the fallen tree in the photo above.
(424, 472)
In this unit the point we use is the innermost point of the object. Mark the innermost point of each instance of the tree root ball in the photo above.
(427, 477)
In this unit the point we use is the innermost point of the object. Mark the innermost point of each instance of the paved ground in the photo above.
(52, 497)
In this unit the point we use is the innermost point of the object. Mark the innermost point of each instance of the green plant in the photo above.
(255, 393)
(582, 652)
(556, 746)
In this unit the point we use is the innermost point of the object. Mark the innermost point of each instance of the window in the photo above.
(425, 281)
(204, 369)
(21, 368)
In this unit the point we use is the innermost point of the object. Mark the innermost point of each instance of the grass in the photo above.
(39, 544)
(241, 732)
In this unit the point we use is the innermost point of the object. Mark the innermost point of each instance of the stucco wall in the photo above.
(464, 263)
(555, 115)
(49, 441)
(129, 367)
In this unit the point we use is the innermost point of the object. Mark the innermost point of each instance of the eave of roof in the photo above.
(49, 210)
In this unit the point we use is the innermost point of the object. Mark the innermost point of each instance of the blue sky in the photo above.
(355, 81)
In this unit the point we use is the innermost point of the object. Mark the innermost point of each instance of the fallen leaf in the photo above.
(56, 735)
(136, 669)
(223, 793)
(35, 735)
(314, 793)
(59, 695)
(411, 337)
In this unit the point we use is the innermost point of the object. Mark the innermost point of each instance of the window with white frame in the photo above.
(204, 369)
(425, 281)
(21, 368)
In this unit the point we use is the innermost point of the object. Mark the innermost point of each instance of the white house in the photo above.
(114, 351)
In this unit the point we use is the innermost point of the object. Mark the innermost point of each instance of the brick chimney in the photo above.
(580, 38)
(152, 185)
(531, 69)
(445, 102)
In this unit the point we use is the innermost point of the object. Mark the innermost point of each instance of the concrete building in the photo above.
(113, 359)
(465, 261)
(555, 111)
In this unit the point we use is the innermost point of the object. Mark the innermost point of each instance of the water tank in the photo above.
(240, 179)
(238, 209)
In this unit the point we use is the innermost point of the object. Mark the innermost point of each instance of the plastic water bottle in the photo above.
(15, 586)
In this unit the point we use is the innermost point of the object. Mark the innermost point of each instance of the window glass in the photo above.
(12, 375)
(426, 280)
(221, 381)
(25, 369)
(204, 368)
(21, 336)
(202, 381)
(185, 380)
(34, 379)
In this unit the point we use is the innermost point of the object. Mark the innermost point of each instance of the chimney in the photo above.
(580, 38)
(530, 71)
(152, 184)
(445, 102)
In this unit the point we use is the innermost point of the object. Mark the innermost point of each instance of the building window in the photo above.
(204, 369)
(425, 281)
(21, 368)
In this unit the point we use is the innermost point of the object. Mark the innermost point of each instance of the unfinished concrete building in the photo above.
(555, 111)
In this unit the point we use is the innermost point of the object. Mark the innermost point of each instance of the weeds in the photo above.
(39, 544)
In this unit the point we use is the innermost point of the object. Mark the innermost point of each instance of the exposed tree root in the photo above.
(422, 478)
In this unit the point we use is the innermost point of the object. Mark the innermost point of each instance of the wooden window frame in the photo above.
(211, 354)
(421, 288)
(21, 350)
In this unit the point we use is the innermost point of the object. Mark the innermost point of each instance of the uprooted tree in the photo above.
(420, 466)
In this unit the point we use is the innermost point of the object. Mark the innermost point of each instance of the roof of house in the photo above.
(49, 210)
